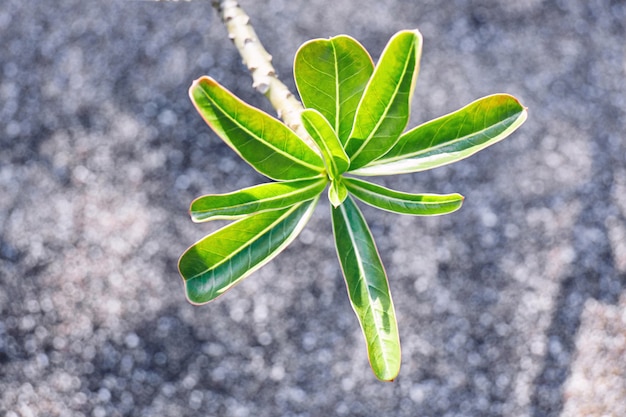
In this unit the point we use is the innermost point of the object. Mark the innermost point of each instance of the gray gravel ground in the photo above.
(513, 306)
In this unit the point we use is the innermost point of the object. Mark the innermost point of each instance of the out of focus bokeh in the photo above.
(513, 306)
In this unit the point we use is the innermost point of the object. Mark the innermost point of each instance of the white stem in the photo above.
(259, 63)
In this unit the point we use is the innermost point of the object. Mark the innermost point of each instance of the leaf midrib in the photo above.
(287, 213)
(384, 160)
(260, 138)
(337, 98)
(334, 171)
(387, 107)
(398, 199)
(362, 274)
(269, 199)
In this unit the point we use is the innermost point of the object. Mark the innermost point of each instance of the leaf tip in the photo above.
(193, 297)
(387, 375)
(415, 32)
(205, 79)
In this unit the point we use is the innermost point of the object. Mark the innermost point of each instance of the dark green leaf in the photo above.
(403, 203)
(383, 112)
(452, 137)
(272, 196)
(368, 289)
(222, 259)
(265, 143)
(331, 75)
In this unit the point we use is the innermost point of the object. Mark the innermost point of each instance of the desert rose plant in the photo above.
(355, 118)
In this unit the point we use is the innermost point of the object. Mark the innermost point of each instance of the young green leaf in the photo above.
(331, 75)
(383, 112)
(321, 131)
(222, 259)
(271, 196)
(265, 143)
(367, 288)
(452, 137)
(337, 192)
(403, 203)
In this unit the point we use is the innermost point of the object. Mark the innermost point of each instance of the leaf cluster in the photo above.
(356, 113)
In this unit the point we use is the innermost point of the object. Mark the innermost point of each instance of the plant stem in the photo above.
(259, 63)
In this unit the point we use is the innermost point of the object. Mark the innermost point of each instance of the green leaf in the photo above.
(271, 196)
(222, 259)
(265, 143)
(383, 112)
(331, 75)
(368, 289)
(326, 139)
(337, 192)
(403, 203)
(452, 137)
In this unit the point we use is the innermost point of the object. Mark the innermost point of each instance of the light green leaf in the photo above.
(271, 196)
(368, 289)
(452, 137)
(383, 112)
(403, 203)
(337, 192)
(321, 131)
(265, 143)
(222, 259)
(331, 75)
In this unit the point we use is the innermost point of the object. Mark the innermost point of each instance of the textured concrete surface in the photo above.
(513, 306)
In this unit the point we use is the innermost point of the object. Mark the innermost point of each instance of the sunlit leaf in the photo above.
(326, 139)
(367, 288)
(403, 203)
(337, 192)
(265, 143)
(222, 259)
(271, 196)
(331, 75)
(452, 137)
(383, 112)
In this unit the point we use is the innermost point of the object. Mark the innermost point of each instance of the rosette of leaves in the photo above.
(356, 113)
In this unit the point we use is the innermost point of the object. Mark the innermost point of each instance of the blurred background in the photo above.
(513, 306)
